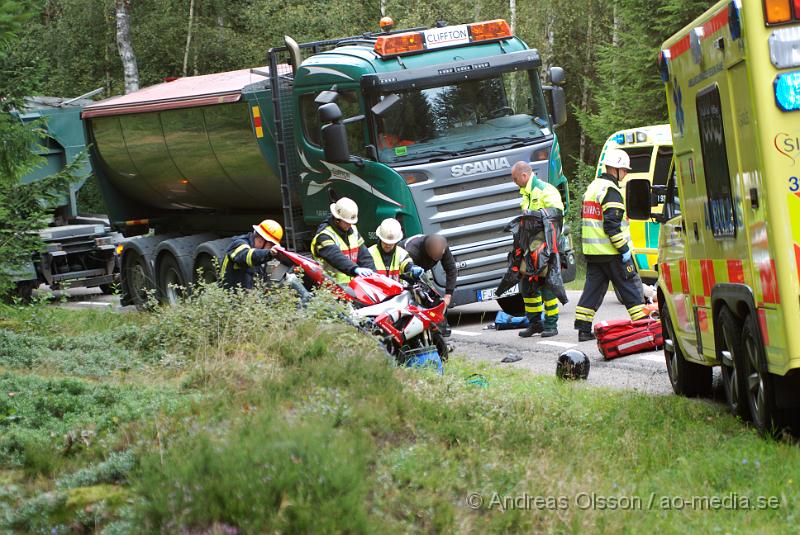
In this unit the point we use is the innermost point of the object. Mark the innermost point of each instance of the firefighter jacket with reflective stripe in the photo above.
(243, 262)
(398, 261)
(538, 194)
(340, 254)
(604, 229)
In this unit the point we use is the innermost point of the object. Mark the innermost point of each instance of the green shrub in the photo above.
(264, 476)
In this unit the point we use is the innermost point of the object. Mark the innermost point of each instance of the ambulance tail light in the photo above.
(778, 11)
(489, 30)
(787, 91)
(402, 43)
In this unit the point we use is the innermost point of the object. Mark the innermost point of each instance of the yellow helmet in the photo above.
(270, 230)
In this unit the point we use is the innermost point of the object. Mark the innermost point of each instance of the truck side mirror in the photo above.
(386, 103)
(557, 75)
(333, 133)
(557, 104)
(638, 199)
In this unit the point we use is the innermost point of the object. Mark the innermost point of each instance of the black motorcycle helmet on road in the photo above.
(572, 364)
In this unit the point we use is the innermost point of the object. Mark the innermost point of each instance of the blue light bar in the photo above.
(620, 139)
(787, 91)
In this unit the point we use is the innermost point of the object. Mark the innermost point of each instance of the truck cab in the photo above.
(729, 251)
(435, 119)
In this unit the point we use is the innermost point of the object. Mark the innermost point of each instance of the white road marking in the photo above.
(653, 358)
(93, 304)
(557, 344)
(464, 333)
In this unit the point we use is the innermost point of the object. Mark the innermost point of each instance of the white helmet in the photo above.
(346, 210)
(617, 158)
(390, 231)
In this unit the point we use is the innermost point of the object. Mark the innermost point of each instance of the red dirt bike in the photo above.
(403, 315)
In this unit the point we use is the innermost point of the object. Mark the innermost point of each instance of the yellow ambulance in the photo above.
(650, 149)
(729, 252)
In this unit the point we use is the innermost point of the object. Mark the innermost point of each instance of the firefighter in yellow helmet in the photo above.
(247, 254)
(606, 243)
(338, 245)
(391, 259)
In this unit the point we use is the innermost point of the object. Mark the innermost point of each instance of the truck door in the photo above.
(371, 185)
(674, 268)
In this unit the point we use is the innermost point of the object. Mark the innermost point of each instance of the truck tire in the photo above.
(758, 381)
(687, 378)
(512, 305)
(733, 379)
(137, 284)
(22, 291)
(205, 269)
(172, 285)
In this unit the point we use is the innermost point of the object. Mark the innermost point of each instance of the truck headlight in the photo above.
(787, 91)
(784, 47)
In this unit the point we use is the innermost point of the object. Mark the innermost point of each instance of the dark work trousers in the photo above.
(625, 280)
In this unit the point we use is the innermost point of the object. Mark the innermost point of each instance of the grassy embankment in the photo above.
(195, 419)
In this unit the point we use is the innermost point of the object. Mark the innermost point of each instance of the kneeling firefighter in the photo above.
(391, 259)
(247, 255)
(339, 247)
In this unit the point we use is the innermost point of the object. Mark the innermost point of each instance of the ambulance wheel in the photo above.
(513, 305)
(687, 378)
(733, 380)
(758, 382)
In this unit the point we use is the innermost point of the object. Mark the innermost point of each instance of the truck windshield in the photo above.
(464, 117)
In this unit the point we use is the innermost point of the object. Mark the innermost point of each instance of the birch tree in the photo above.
(129, 67)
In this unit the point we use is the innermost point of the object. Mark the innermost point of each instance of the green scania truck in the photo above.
(434, 118)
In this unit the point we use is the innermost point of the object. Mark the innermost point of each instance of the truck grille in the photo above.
(471, 214)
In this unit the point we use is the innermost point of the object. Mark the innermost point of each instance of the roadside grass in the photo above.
(241, 414)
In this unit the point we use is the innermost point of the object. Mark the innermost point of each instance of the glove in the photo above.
(626, 256)
(416, 271)
(364, 272)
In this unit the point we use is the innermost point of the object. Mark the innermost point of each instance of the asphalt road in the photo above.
(645, 372)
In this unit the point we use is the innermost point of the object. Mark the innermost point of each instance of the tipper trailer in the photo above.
(435, 117)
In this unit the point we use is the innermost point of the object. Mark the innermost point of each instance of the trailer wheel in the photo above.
(22, 291)
(758, 381)
(733, 380)
(137, 285)
(687, 378)
(171, 284)
(205, 269)
(513, 305)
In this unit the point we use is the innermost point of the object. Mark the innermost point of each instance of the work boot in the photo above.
(533, 328)
(585, 336)
(550, 332)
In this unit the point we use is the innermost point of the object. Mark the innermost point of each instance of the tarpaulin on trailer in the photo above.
(191, 91)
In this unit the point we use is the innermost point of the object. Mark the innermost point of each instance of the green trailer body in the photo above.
(79, 250)
(188, 162)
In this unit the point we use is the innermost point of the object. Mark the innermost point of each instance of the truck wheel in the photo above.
(135, 282)
(106, 289)
(732, 377)
(22, 291)
(758, 382)
(687, 378)
(512, 305)
(205, 270)
(171, 284)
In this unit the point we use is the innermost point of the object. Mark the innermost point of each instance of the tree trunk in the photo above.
(383, 8)
(188, 38)
(585, 88)
(125, 48)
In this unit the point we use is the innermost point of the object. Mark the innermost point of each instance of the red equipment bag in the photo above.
(619, 338)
